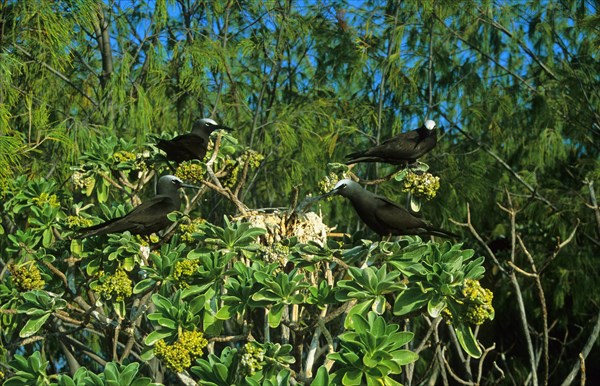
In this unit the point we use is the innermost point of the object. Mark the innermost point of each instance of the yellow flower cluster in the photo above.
(328, 182)
(124, 156)
(423, 185)
(234, 170)
(188, 229)
(180, 355)
(116, 287)
(184, 271)
(82, 180)
(479, 302)
(253, 159)
(127, 156)
(26, 277)
(78, 221)
(252, 358)
(190, 171)
(46, 198)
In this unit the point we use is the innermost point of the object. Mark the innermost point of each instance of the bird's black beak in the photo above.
(223, 127)
(189, 186)
(330, 193)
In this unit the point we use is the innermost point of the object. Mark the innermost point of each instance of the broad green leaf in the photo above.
(321, 378)
(33, 325)
(225, 313)
(352, 378)
(358, 309)
(410, 300)
(157, 335)
(144, 285)
(111, 373)
(275, 314)
(435, 306)
(221, 371)
(467, 339)
(404, 357)
(129, 373)
(379, 305)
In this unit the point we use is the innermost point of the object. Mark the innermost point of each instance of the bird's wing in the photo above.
(151, 211)
(396, 217)
(400, 219)
(150, 216)
(400, 146)
(403, 147)
(185, 146)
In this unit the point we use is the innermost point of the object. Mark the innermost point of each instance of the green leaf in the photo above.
(358, 309)
(225, 313)
(33, 325)
(144, 285)
(157, 335)
(221, 371)
(436, 305)
(275, 315)
(379, 305)
(352, 378)
(111, 373)
(467, 339)
(129, 373)
(168, 323)
(410, 300)
(47, 237)
(404, 357)
(197, 304)
(321, 378)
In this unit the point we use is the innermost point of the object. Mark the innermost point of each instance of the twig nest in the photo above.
(281, 225)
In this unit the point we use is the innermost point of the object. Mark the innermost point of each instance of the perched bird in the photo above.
(148, 217)
(190, 146)
(402, 149)
(382, 215)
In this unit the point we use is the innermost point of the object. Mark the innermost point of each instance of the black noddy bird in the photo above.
(148, 217)
(193, 145)
(402, 149)
(382, 215)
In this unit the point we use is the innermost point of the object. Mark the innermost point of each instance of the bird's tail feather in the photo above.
(432, 231)
(110, 226)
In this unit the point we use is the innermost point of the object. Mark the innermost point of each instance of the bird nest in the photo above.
(281, 225)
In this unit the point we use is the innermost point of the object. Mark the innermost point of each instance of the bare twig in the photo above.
(314, 345)
(594, 204)
(577, 367)
(57, 74)
(512, 212)
(376, 181)
(475, 234)
(486, 351)
(527, 50)
(506, 166)
(452, 373)
(487, 56)
(560, 246)
(542, 297)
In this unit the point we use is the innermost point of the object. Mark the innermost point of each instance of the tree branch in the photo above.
(533, 190)
(584, 353)
(512, 212)
(57, 74)
(527, 50)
